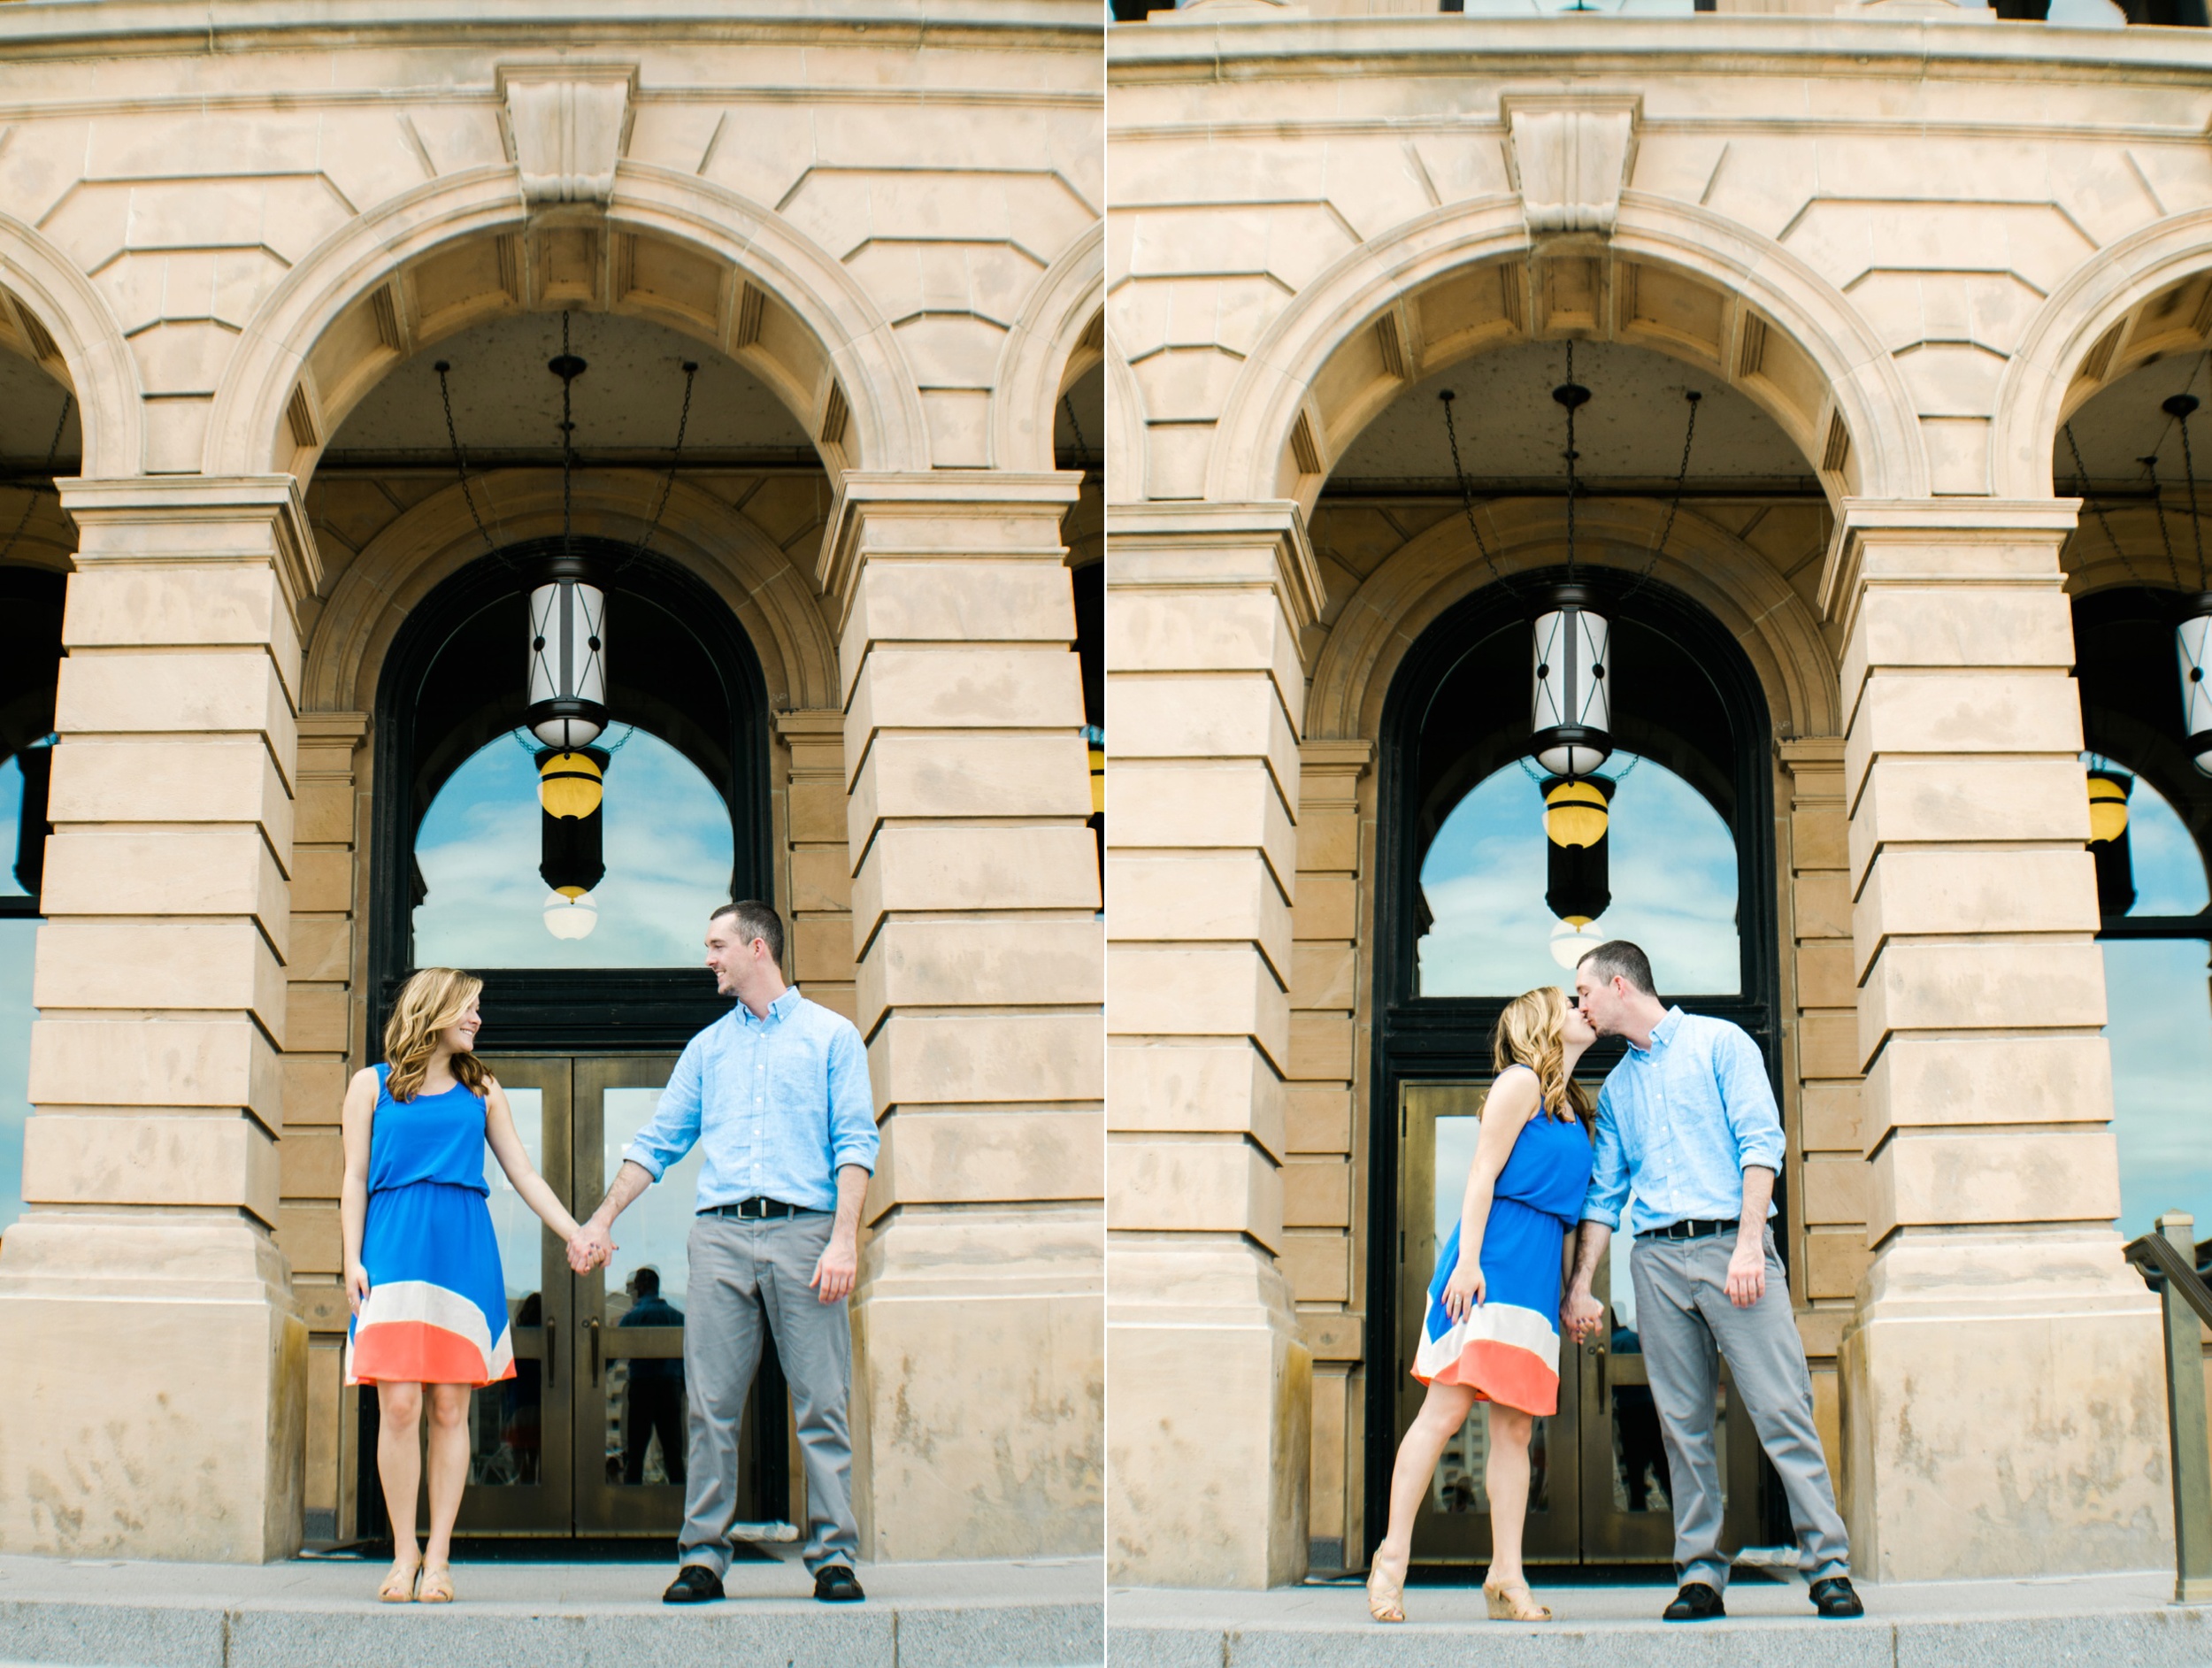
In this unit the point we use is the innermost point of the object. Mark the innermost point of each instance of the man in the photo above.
(777, 1093)
(1687, 1122)
(656, 1401)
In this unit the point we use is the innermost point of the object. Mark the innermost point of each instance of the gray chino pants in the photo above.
(1682, 1315)
(745, 1276)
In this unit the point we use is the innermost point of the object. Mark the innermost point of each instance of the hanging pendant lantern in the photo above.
(1572, 708)
(568, 661)
(2109, 791)
(1577, 816)
(2192, 638)
(569, 794)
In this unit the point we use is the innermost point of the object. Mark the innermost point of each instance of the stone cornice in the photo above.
(1198, 525)
(200, 500)
(1925, 520)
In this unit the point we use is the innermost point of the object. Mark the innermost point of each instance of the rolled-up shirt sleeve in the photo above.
(1609, 1169)
(673, 1128)
(852, 1105)
(1749, 1098)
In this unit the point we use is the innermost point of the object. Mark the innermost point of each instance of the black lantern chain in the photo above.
(668, 482)
(1573, 395)
(1082, 446)
(2097, 509)
(1466, 493)
(30, 498)
(1674, 507)
(444, 367)
(2181, 407)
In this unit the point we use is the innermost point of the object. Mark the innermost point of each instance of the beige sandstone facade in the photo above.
(1916, 247)
(222, 237)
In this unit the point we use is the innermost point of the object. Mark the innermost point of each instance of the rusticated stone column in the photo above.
(2003, 1405)
(153, 1362)
(978, 980)
(1210, 1410)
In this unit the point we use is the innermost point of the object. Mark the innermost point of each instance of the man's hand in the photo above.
(592, 1247)
(1748, 1272)
(838, 1268)
(1582, 1312)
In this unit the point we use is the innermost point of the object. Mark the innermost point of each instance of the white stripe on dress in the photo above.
(1494, 1323)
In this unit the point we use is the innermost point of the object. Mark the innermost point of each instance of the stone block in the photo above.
(960, 776)
(193, 694)
(1833, 1190)
(176, 965)
(1010, 962)
(113, 1159)
(1217, 991)
(318, 1018)
(1835, 1258)
(202, 782)
(822, 947)
(1317, 1194)
(1203, 631)
(1968, 801)
(1828, 1116)
(1201, 1086)
(312, 1237)
(322, 948)
(1828, 1044)
(1328, 840)
(1321, 1046)
(312, 1160)
(1819, 837)
(1942, 1082)
(1318, 1267)
(918, 869)
(1198, 897)
(1960, 893)
(1986, 712)
(1213, 719)
(986, 1056)
(203, 1064)
(1318, 1119)
(821, 881)
(323, 812)
(180, 605)
(818, 815)
(1324, 974)
(1822, 901)
(1825, 975)
(979, 1158)
(1327, 907)
(963, 686)
(1998, 984)
(1195, 806)
(1192, 1183)
(949, 600)
(322, 880)
(1978, 625)
(1927, 1178)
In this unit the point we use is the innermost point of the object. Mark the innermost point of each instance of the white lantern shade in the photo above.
(568, 666)
(2192, 639)
(571, 917)
(1570, 941)
(1571, 703)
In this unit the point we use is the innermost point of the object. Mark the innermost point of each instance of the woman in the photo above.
(1492, 1332)
(423, 1277)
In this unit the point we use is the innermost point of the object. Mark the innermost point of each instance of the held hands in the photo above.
(1747, 1273)
(837, 1268)
(356, 1287)
(1463, 1290)
(1582, 1313)
(590, 1247)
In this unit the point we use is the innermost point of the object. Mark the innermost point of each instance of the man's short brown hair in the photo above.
(1617, 958)
(756, 919)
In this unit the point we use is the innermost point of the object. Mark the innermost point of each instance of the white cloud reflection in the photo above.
(666, 842)
(1673, 875)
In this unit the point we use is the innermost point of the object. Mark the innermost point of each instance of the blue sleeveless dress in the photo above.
(437, 1307)
(1507, 1350)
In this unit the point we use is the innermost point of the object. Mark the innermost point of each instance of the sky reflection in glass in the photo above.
(1673, 872)
(2157, 995)
(666, 842)
(16, 937)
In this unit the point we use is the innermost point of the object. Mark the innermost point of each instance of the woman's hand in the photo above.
(356, 1287)
(1463, 1290)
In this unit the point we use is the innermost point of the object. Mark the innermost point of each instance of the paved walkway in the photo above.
(2084, 1622)
(321, 1613)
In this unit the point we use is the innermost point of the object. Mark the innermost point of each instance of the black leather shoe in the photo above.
(1695, 1603)
(835, 1584)
(1832, 1597)
(695, 1584)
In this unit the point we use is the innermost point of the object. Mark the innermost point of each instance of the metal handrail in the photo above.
(2170, 1254)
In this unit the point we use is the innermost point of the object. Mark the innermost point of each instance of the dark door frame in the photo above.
(564, 1010)
(1416, 1038)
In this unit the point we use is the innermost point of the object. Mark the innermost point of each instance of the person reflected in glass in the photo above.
(775, 1095)
(656, 1385)
(1643, 1455)
(1490, 1336)
(423, 1278)
(521, 1401)
(1688, 1129)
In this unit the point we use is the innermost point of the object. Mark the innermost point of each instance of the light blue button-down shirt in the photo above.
(1679, 1122)
(780, 1105)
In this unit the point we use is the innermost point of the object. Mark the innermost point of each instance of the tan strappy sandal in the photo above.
(1512, 1602)
(437, 1586)
(1386, 1594)
(399, 1585)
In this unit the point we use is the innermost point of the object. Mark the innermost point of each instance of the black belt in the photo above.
(756, 1209)
(1690, 1228)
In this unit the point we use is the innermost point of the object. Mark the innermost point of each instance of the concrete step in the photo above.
(322, 1614)
(2125, 1621)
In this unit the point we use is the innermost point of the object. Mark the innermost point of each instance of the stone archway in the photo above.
(1060, 335)
(70, 328)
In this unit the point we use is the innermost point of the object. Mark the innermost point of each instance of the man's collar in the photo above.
(1663, 1032)
(780, 1009)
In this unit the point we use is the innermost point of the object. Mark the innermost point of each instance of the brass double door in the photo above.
(1599, 1484)
(588, 1439)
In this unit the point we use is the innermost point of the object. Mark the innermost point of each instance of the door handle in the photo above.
(592, 1326)
(552, 1343)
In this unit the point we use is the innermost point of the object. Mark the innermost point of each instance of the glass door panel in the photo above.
(520, 1457)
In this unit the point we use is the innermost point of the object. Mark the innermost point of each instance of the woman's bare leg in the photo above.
(1443, 1412)
(449, 1466)
(1505, 1477)
(399, 1464)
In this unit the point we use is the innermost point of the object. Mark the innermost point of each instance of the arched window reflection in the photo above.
(666, 842)
(18, 937)
(1673, 874)
(2159, 1000)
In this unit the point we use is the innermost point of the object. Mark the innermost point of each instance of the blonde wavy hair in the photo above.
(432, 1001)
(1532, 1032)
